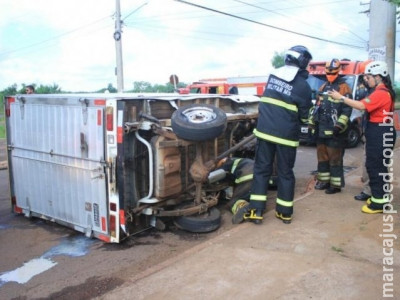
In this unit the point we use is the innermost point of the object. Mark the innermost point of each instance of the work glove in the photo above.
(338, 129)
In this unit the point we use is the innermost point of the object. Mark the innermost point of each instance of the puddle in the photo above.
(74, 247)
(27, 271)
(4, 226)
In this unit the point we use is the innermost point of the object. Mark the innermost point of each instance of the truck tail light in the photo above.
(113, 226)
(110, 118)
(9, 100)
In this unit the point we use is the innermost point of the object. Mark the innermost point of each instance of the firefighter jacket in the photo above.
(239, 170)
(282, 108)
(331, 117)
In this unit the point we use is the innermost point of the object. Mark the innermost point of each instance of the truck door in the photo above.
(56, 160)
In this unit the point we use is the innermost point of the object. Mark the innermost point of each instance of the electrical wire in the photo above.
(54, 37)
(301, 6)
(270, 26)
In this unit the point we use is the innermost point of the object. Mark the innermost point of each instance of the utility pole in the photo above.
(118, 48)
(382, 33)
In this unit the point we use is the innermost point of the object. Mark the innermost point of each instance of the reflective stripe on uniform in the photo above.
(275, 139)
(343, 119)
(244, 178)
(234, 165)
(258, 197)
(324, 176)
(336, 181)
(331, 100)
(279, 103)
(284, 203)
(378, 201)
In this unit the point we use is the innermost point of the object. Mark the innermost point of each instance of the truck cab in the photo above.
(243, 85)
(352, 72)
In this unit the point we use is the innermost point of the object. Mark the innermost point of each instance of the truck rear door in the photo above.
(56, 160)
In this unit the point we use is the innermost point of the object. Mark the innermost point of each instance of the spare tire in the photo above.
(198, 122)
(205, 222)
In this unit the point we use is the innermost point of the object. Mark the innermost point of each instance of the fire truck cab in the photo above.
(352, 71)
(246, 85)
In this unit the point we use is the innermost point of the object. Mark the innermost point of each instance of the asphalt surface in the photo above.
(330, 251)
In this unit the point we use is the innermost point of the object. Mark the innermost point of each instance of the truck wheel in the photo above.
(205, 222)
(198, 122)
(353, 137)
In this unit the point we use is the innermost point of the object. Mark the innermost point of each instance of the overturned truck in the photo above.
(112, 165)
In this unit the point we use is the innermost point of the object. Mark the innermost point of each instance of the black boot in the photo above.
(254, 215)
(321, 185)
(287, 219)
(362, 196)
(333, 190)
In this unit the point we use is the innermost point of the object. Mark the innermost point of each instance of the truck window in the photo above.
(361, 90)
(195, 90)
(315, 83)
(212, 90)
(350, 80)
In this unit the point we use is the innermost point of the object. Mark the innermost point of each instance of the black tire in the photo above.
(198, 122)
(205, 222)
(353, 137)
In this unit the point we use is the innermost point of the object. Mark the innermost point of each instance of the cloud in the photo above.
(70, 43)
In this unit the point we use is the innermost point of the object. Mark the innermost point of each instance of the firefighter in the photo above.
(283, 106)
(380, 134)
(239, 174)
(329, 123)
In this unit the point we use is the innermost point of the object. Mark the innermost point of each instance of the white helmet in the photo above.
(377, 68)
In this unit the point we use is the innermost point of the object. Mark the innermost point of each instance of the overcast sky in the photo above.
(70, 42)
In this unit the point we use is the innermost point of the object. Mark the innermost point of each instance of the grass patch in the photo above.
(2, 119)
(2, 126)
(337, 249)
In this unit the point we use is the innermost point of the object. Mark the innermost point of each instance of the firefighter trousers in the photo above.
(263, 168)
(330, 163)
(240, 192)
(380, 140)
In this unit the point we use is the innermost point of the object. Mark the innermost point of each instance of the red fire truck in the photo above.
(250, 85)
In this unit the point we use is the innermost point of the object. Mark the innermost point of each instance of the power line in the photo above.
(267, 25)
(53, 38)
(286, 16)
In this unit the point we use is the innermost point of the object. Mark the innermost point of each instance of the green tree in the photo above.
(48, 89)
(397, 3)
(11, 90)
(278, 60)
(109, 89)
(147, 87)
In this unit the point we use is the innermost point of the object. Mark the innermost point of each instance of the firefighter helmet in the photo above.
(332, 69)
(298, 56)
(363, 65)
(377, 68)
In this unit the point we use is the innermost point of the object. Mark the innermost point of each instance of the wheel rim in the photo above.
(352, 136)
(199, 115)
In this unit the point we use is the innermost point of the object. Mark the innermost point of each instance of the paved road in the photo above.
(79, 268)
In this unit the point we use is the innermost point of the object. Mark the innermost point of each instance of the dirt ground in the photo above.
(151, 264)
